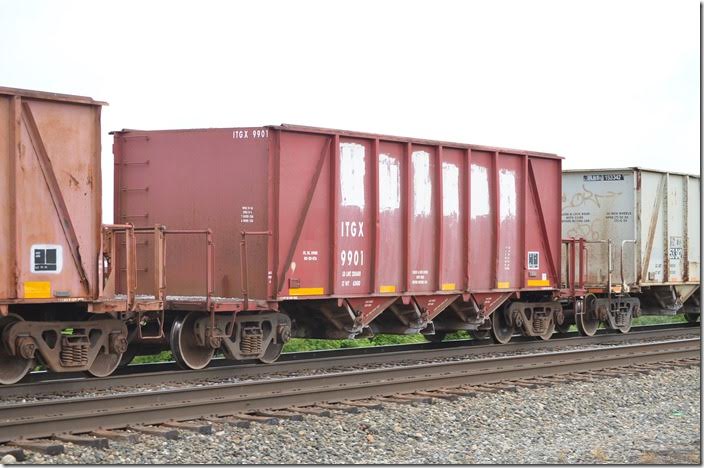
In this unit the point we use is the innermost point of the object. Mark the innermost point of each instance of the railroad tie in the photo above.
(393, 399)
(16, 452)
(167, 433)
(193, 426)
(496, 387)
(640, 370)
(555, 379)
(44, 446)
(281, 414)
(542, 382)
(525, 384)
(117, 435)
(460, 392)
(86, 440)
(229, 420)
(414, 397)
(580, 378)
(312, 411)
(338, 407)
(375, 404)
(438, 394)
(258, 419)
(607, 373)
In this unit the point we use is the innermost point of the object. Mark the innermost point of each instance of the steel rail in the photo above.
(78, 415)
(330, 359)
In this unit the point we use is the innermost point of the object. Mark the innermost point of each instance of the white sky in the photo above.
(604, 84)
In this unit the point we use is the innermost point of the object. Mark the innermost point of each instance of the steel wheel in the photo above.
(501, 329)
(12, 368)
(627, 327)
(564, 328)
(691, 318)
(480, 334)
(128, 356)
(585, 317)
(548, 333)
(105, 363)
(437, 337)
(188, 354)
(272, 353)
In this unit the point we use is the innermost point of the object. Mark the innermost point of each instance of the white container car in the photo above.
(642, 254)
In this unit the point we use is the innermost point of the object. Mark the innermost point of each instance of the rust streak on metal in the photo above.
(304, 212)
(545, 238)
(651, 229)
(55, 191)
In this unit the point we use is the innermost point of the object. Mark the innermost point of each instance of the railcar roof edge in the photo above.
(632, 168)
(48, 96)
(356, 134)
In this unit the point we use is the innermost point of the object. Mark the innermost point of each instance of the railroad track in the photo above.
(195, 408)
(168, 373)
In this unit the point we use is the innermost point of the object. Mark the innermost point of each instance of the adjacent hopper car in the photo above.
(334, 234)
(641, 229)
(52, 294)
(234, 240)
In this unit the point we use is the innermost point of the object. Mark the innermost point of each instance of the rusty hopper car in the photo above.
(330, 234)
(642, 233)
(53, 285)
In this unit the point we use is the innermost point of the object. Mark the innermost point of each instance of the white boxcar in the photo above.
(652, 219)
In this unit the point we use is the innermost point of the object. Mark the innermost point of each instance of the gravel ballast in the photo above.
(182, 379)
(647, 418)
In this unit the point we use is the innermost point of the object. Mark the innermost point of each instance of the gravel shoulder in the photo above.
(651, 418)
(259, 372)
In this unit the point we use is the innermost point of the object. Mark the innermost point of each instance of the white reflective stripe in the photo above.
(450, 189)
(480, 191)
(389, 183)
(422, 188)
(352, 172)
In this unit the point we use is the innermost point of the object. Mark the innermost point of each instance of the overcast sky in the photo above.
(604, 84)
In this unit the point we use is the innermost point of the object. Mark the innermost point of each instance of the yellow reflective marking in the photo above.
(37, 289)
(540, 282)
(503, 285)
(448, 286)
(306, 291)
(387, 288)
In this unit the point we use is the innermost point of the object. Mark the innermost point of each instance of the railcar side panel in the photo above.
(350, 215)
(50, 200)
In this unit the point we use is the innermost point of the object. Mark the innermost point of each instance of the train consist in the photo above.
(234, 240)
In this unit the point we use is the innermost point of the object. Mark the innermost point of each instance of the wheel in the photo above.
(501, 329)
(585, 317)
(691, 318)
(132, 348)
(480, 334)
(128, 356)
(564, 328)
(12, 368)
(548, 333)
(272, 353)
(436, 338)
(627, 327)
(188, 354)
(104, 363)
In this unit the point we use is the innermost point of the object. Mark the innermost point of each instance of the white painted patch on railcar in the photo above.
(389, 183)
(422, 188)
(450, 189)
(352, 174)
(507, 194)
(480, 191)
